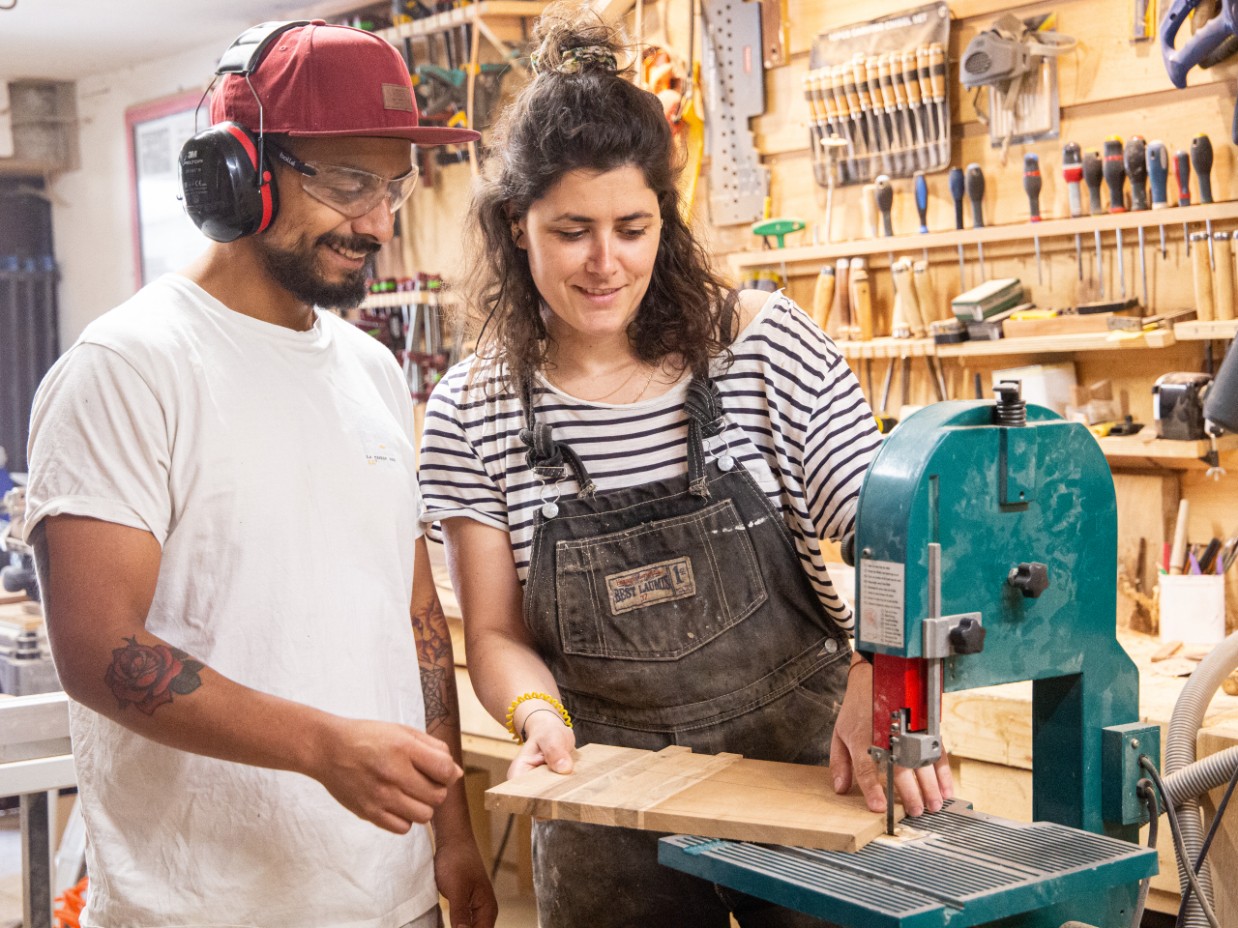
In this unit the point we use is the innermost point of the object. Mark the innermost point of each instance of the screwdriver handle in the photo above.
(920, 184)
(975, 193)
(1182, 168)
(1201, 160)
(1032, 184)
(1093, 176)
(1072, 170)
(1135, 160)
(955, 179)
(885, 201)
(1115, 174)
(842, 298)
(1158, 174)
(823, 296)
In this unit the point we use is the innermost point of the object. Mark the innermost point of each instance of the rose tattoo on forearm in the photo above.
(146, 676)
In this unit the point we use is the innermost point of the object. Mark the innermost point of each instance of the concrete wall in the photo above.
(91, 216)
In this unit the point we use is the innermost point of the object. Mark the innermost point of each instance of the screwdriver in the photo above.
(1135, 159)
(823, 296)
(1031, 186)
(975, 193)
(1093, 176)
(921, 188)
(1115, 177)
(1182, 167)
(1201, 160)
(955, 179)
(884, 195)
(1072, 170)
(1158, 174)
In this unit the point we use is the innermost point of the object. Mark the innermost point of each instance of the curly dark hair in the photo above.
(579, 112)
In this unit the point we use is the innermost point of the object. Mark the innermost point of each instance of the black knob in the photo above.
(847, 549)
(967, 637)
(1030, 579)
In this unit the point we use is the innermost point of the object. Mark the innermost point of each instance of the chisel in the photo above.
(957, 192)
(1115, 177)
(1201, 160)
(1158, 176)
(1135, 160)
(1093, 176)
(1072, 170)
(975, 193)
(1031, 186)
(1182, 169)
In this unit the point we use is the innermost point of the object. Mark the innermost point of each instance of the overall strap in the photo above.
(546, 457)
(704, 408)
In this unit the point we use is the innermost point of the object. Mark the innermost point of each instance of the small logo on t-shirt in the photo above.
(378, 449)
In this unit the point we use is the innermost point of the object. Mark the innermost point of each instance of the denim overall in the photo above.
(675, 612)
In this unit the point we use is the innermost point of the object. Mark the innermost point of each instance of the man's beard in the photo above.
(297, 272)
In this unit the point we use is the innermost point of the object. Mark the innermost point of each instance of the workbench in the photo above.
(988, 732)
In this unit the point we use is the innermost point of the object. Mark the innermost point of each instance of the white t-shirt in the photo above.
(276, 470)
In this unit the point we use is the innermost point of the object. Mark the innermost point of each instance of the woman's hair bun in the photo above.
(573, 39)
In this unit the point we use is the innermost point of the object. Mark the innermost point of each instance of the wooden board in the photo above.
(1224, 850)
(717, 796)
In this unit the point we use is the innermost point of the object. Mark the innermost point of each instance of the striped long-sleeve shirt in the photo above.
(795, 418)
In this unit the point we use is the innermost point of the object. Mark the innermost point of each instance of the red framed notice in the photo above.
(164, 238)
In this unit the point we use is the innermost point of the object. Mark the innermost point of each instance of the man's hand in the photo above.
(919, 789)
(550, 742)
(388, 774)
(462, 880)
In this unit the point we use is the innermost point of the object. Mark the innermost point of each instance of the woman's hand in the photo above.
(925, 788)
(548, 741)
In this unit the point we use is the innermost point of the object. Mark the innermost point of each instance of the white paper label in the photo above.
(881, 603)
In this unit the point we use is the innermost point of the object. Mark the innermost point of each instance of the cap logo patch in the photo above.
(398, 97)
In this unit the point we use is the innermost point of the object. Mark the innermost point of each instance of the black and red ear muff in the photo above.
(227, 184)
(226, 178)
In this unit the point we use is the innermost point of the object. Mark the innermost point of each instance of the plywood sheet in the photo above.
(717, 796)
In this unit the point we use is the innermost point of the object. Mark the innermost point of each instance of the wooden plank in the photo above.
(717, 796)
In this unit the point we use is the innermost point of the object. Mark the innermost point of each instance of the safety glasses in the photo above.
(349, 191)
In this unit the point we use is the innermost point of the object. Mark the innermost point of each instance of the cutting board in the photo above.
(716, 796)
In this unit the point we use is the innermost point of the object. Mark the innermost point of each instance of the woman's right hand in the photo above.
(549, 742)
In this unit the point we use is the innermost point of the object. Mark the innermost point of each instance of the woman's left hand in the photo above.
(925, 788)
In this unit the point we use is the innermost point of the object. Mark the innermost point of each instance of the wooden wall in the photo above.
(1108, 86)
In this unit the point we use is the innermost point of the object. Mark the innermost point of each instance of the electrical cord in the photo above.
(1179, 846)
(1212, 830)
(1144, 790)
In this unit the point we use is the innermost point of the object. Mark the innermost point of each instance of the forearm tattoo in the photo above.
(147, 676)
(434, 656)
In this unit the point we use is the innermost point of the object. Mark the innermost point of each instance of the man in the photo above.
(224, 510)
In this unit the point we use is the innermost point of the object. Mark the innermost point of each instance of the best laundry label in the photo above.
(654, 583)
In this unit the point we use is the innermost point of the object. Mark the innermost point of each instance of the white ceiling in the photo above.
(70, 39)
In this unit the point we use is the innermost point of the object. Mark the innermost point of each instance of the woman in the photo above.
(631, 476)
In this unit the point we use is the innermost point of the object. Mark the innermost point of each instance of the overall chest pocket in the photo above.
(659, 590)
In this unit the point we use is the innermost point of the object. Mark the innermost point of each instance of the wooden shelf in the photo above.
(888, 348)
(816, 255)
(1135, 450)
(462, 16)
(1060, 344)
(1205, 331)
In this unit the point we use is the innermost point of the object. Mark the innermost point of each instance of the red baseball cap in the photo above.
(323, 80)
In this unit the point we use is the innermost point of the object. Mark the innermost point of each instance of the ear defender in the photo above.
(228, 186)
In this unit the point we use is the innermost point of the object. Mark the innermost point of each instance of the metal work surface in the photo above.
(969, 869)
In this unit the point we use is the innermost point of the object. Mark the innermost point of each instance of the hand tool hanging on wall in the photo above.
(842, 300)
(957, 192)
(1031, 186)
(823, 296)
(1135, 160)
(1201, 160)
(920, 185)
(1115, 177)
(862, 301)
(975, 193)
(1072, 171)
(915, 104)
(1158, 178)
(1202, 268)
(1209, 44)
(1094, 176)
(1182, 170)
(885, 202)
(739, 183)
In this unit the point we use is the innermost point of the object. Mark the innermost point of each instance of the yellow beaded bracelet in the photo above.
(525, 697)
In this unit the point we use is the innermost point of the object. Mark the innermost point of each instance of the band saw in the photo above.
(985, 553)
